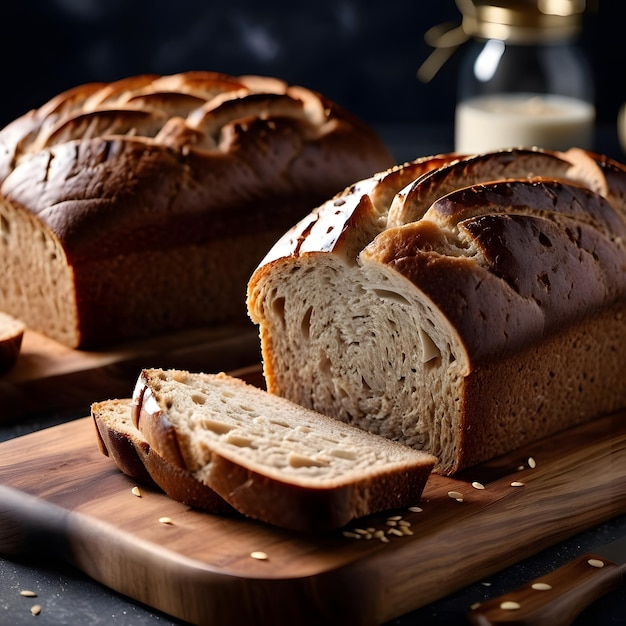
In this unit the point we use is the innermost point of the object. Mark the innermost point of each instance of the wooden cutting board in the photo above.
(51, 377)
(57, 491)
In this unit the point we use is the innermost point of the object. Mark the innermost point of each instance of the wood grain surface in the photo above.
(51, 377)
(58, 492)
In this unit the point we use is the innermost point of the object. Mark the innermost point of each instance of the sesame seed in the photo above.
(478, 485)
(166, 520)
(136, 492)
(531, 462)
(405, 530)
(35, 609)
(350, 535)
(475, 605)
(361, 531)
(391, 522)
(27, 593)
(521, 467)
(395, 531)
(379, 533)
(541, 586)
(457, 495)
(509, 605)
(395, 517)
(596, 563)
(517, 483)
(404, 522)
(384, 539)
(416, 509)
(259, 556)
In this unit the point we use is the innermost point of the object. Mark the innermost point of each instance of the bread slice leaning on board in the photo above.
(119, 439)
(141, 206)
(464, 306)
(268, 458)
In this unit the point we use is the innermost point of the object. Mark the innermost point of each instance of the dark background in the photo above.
(363, 55)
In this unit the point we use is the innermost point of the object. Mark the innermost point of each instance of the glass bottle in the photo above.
(523, 81)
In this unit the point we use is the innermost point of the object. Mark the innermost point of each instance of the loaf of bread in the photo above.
(474, 309)
(11, 336)
(270, 459)
(119, 439)
(142, 206)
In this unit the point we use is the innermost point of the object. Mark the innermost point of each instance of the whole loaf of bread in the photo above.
(142, 206)
(461, 305)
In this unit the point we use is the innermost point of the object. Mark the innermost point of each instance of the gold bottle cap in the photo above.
(522, 21)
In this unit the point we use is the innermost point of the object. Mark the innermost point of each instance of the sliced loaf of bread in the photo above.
(269, 458)
(477, 309)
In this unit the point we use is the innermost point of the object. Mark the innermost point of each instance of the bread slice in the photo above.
(269, 458)
(480, 309)
(120, 440)
(11, 336)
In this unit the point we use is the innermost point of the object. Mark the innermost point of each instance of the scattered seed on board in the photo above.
(136, 492)
(35, 609)
(596, 563)
(457, 495)
(541, 586)
(517, 483)
(416, 509)
(259, 556)
(531, 463)
(509, 605)
(478, 485)
(166, 520)
(27, 593)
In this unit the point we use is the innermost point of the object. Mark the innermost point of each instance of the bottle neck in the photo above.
(553, 68)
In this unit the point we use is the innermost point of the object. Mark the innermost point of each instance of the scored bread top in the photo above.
(504, 246)
(119, 159)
